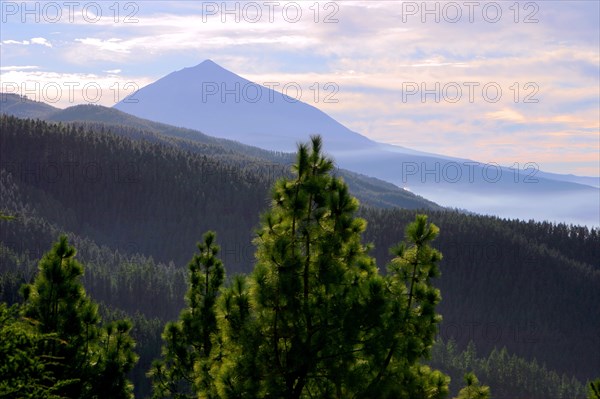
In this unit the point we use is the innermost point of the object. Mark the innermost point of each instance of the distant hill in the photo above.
(22, 107)
(369, 190)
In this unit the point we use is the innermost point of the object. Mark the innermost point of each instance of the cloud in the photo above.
(67, 89)
(41, 41)
(23, 42)
(19, 68)
(110, 45)
(506, 114)
(36, 40)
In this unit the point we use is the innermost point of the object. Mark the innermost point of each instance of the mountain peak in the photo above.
(208, 63)
(207, 70)
(216, 101)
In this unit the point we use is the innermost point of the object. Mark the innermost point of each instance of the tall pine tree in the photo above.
(315, 318)
(88, 360)
(183, 370)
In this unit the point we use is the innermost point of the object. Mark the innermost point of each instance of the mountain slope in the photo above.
(200, 93)
(368, 190)
(218, 102)
(22, 107)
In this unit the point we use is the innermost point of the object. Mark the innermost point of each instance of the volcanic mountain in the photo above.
(220, 103)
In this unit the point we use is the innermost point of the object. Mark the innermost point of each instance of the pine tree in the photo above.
(115, 358)
(23, 372)
(594, 389)
(412, 320)
(472, 389)
(88, 360)
(315, 318)
(188, 341)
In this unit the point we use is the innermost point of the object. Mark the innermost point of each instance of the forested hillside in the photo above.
(134, 205)
(505, 288)
(268, 163)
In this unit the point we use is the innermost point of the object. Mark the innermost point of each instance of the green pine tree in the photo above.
(594, 389)
(472, 389)
(315, 318)
(87, 359)
(23, 372)
(113, 361)
(188, 341)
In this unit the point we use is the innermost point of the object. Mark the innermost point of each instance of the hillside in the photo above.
(369, 190)
(22, 107)
(118, 280)
(531, 287)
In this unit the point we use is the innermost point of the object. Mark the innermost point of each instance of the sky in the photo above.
(510, 82)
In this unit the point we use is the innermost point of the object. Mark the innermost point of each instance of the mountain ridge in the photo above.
(15, 105)
(369, 190)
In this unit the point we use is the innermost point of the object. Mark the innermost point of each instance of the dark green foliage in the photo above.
(472, 389)
(23, 372)
(315, 318)
(114, 276)
(138, 195)
(147, 335)
(88, 359)
(509, 376)
(188, 341)
(511, 284)
(594, 389)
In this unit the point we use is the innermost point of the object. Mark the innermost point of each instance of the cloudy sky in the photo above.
(507, 82)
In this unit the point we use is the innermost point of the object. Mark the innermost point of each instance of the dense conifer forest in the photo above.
(519, 300)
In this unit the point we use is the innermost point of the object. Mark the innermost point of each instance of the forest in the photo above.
(513, 313)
